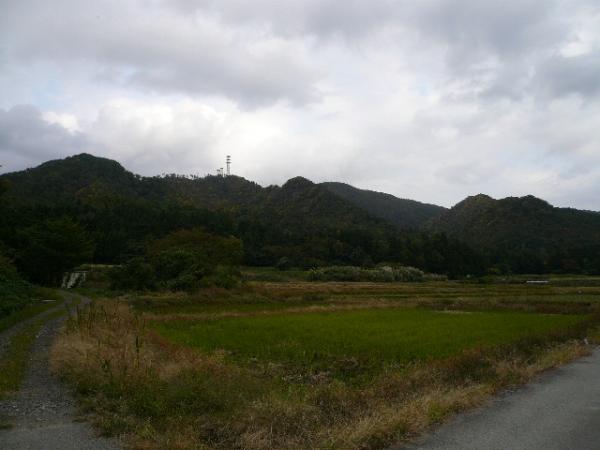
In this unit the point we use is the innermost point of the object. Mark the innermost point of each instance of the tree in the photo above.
(183, 260)
(14, 291)
(51, 248)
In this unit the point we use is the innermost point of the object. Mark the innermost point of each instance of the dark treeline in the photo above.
(117, 229)
(526, 234)
(88, 209)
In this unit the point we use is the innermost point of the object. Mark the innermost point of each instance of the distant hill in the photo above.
(300, 220)
(404, 213)
(66, 178)
(525, 232)
(85, 176)
(308, 223)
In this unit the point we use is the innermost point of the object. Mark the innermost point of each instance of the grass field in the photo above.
(294, 364)
(372, 337)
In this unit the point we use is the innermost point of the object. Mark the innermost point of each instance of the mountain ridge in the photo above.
(402, 212)
(313, 222)
(525, 228)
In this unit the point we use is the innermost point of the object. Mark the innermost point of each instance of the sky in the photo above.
(432, 100)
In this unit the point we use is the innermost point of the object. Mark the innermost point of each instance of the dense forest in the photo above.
(526, 234)
(112, 215)
(404, 213)
(89, 209)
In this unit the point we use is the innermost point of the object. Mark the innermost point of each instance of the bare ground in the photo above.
(43, 415)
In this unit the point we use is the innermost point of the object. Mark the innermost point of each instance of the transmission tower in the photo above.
(228, 162)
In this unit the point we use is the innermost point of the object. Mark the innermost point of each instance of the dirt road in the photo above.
(42, 415)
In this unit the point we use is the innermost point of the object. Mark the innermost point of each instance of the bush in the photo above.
(284, 263)
(184, 260)
(384, 274)
(408, 274)
(136, 274)
(226, 277)
(15, 293)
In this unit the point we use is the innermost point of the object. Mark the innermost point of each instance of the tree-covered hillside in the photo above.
(526, 234)
(404, 213)
(114, 214)
(300, 221)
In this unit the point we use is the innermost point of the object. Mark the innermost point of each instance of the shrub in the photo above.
(408, 274)
(226, 277)
(14, 291)
(385, 274)
(284, 263)
(136, 274)
(183, 261)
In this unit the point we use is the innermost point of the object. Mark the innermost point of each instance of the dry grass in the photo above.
(165, 396)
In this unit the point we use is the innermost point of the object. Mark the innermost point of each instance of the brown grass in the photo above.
(163, 396)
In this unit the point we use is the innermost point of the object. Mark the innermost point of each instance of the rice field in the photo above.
(371, 336)
(291, 364)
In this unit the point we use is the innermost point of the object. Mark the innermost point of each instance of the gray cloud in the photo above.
(162, 52)
(429, 99)
(472, 29)
(259, 52)
(26, 138)
(320, 18)
(559, 76)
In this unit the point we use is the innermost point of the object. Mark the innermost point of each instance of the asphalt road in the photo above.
(43, 414)
(559, 411)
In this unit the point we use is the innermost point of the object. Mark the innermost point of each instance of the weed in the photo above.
(272, 369)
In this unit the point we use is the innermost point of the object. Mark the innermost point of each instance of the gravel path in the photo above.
(561, 411)
(43, 414)
(6, 336)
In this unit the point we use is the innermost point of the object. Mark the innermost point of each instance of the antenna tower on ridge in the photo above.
(228, 162)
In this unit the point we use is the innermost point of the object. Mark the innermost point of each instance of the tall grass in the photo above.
(166, 396)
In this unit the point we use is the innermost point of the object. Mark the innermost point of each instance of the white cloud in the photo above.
(67, 121)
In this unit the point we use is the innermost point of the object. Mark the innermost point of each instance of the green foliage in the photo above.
(14, 291)
(353, 273)
(402, 212)
(526, 235)
(136, 274)
(4, 185)
(204, 247)
(183, 261)
(50, 248)
(226, 277)
(367, 338)
(284, 263)
(307, 224)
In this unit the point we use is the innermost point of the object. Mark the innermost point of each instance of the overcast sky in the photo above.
(426, 99)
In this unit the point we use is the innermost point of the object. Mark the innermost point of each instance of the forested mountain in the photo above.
(404, 213)
(526, 234)
(87, 177)
(121, 212)
(115, 213)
